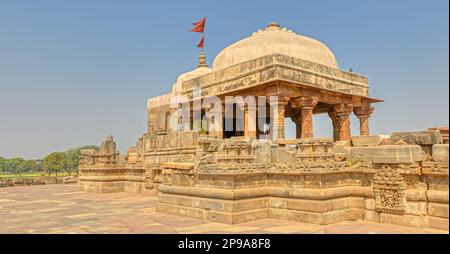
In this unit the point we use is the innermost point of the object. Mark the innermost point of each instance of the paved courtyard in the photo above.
(64, 209)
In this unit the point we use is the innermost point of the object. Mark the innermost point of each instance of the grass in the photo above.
(33, 174)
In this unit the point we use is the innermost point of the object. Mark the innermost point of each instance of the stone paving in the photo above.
(63, 208)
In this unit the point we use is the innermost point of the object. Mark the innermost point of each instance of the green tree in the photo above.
(9, 165)
(13, 165)
(73, 156)
(2, 164)
(27, 166)
(39, 165)
(18, 162)
(55, 162)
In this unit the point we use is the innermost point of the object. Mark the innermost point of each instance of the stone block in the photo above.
(439, 196)
(430, 137)
(251, 204)
(387, 154)
(369, 204)
(437, 222)
(342, 147)
(440, 152)
(278, 203)
(371, 140)
(403, 220)
(70, 179)
(444, 132)
(284, 155)
(263, 152)
(438, 210)
(252, 215)
(180, 211)
(371, 216)
(325, 218)
(322, 206)
(416, 208)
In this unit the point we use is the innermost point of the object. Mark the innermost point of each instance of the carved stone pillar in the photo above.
(216, 122)
(306, 105)
(221, 133)
(250, 121)
(297, 119)
(278, 112)
(343, 121)
(332, 115)
(363, 113)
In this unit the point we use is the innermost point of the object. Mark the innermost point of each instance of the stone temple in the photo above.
(232, 176)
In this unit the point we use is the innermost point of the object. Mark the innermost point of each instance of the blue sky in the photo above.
(73, 72)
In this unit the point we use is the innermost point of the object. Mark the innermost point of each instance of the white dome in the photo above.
(176, 88)
(274, 40)
(202, 69)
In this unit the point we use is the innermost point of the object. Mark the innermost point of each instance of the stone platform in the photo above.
(65, 209)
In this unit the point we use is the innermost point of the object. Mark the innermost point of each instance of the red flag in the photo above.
(202, 41)
(199, 27)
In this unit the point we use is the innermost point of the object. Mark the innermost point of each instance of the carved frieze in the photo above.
(273, 67)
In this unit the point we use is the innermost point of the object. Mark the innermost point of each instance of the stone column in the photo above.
(217, 123)
(278, 113)
(363, 113)
(250, 121)
(343, 121)
(221, 134)
(306, 105)
(297, 119)
(332, 115)
(298, 129)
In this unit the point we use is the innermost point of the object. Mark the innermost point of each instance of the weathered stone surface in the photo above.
(239, 180)
(438, 210)
(70, 179)
(444, 132)
(440, 152)
(417, 137)
(437, 222)
(372, 140)
(263, 152)
(387, 154)
(283, 155)
(342, 147)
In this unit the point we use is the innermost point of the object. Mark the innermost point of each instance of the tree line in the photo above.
(52, 163)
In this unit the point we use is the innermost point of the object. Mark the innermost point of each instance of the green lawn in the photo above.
(33, 174)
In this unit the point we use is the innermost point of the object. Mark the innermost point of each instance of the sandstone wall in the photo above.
(315, 181)
(387, 184)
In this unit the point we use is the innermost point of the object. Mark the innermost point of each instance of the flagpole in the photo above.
(204, 30)
(203, 48)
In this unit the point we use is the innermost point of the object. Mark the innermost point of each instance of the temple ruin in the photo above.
(233, 176)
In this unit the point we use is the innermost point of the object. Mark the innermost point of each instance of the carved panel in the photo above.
(389, 189)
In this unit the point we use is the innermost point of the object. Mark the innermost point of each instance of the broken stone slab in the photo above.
(341, 147)
(387, 154)
(444, 132)
(429, 137)
(70, 179)
(370, 140)
(284, 155)
(440, 152)
(263, 151)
